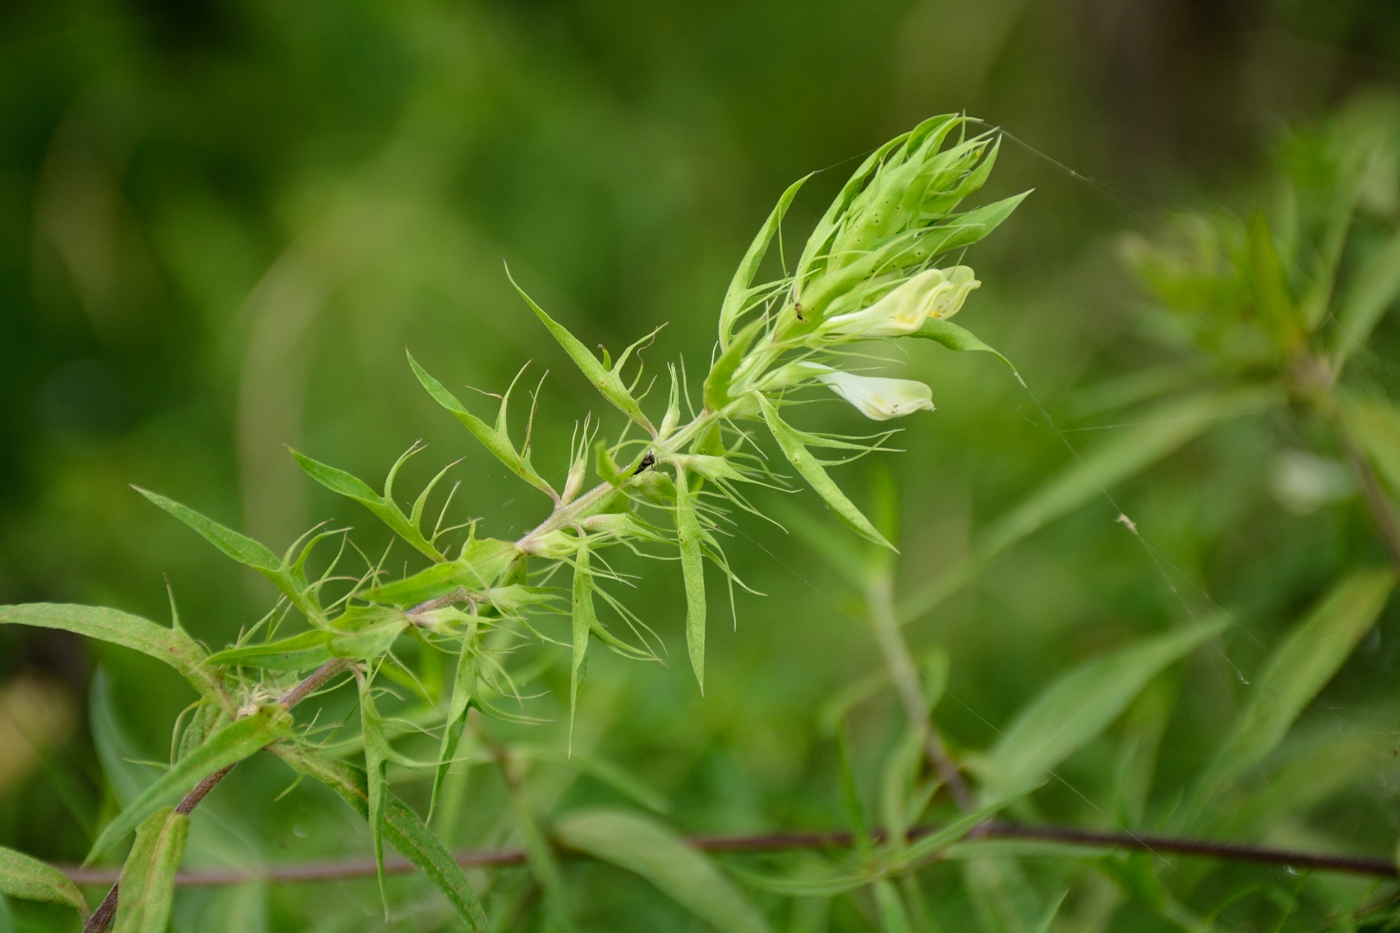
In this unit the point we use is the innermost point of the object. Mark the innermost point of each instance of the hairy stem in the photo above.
(102, 917)
(879, 599)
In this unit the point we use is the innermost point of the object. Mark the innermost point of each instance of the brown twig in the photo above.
(780, 842)
(106, 911)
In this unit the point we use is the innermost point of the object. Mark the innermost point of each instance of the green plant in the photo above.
(867, 272)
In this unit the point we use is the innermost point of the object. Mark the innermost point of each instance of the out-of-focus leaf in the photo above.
(148, 876)
(816, 477)
(402, 827)
(1001, 895)
(893, 918)
(1272, 296)
(1161, 430)
(383, 507)
(957, 338)
(1079, 705)
(116, 751)
(464, 690)
(540, 857)
(1294, 673)
(1377, 285)
(738, 293)
(287, 575)
(229, 745)
(31, 880)
(646, 848)
(690, 537)
(170, 645)
(1375, 425)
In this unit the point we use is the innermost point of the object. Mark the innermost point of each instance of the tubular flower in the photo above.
(880, 398)
(937, 293)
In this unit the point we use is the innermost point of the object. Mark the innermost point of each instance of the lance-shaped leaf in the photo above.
(482, 564)
(957, 338)
(307, 650)
(1375, 291)
(494, 439)
(402, 827)
(1295, 672)
(584, 616)
(812, 471)
(383, 507)
(29, 879)
(1079, 705)
(464, 690)
(690, 537)
(737, 296)
(893, 917)
(229, 745)
(287, 574)
(378, 754)
(148, 877)
(170, 645)
(646, 848)
(606, 379)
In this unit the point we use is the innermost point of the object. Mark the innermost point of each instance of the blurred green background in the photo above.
(222, 221)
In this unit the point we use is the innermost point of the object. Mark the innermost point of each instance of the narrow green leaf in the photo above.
(290, 579)
(307, 650)
(171, 646)
(481, 566)
(1296, 671)
(299, 652)
(585, 620)
(29, 879)
(1376, 289)
(737, 294)
(1160, 431)
(690, 537)
(893, 918)
(1272, 296)
(648, 849)
(498, 443)
(605, 380)
(1375, 425)
(1079, 705)
(229, 745)
(148, 876)
(957, 338)
(464, 690)
(383, 508)
(402, 827)
(540, 857)
(815, 475)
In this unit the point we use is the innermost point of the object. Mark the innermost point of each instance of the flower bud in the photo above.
(880, 398)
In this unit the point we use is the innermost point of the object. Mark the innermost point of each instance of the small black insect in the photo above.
(647, 463)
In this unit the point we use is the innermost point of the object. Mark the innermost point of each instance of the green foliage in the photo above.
(31, 880)
(641, 846)
(148, 876)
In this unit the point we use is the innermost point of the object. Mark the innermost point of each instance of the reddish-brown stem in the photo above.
(102, 917)
(778, 842)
